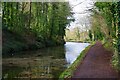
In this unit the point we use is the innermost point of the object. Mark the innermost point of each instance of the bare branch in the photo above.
(76, 4)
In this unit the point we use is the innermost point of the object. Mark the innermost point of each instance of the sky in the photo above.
(80, 8)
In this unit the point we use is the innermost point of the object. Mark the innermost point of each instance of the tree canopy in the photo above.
(47, 21)
(105, 26)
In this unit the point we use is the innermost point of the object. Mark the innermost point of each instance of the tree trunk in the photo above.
(52, 21)
(29, 17)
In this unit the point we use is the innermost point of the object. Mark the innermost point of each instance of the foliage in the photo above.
(76, 35)
(45, 22)
(118, 40)
(105, 26)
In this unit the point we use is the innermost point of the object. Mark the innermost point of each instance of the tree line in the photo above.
(105, 26)
(47, 21)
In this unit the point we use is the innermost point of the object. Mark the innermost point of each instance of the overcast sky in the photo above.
(80, 8)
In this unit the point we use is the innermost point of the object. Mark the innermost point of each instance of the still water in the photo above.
(44, 63)
(73, 50)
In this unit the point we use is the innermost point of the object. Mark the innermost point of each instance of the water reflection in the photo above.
(73, 50)
(44, 63)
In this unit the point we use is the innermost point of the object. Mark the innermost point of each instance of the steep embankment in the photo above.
(12, 42)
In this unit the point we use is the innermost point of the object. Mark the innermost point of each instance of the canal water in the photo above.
(73, 50)
(44, 63)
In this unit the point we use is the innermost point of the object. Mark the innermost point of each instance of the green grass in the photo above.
(69, 72)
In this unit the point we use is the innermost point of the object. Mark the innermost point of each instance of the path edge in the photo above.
(69, 71)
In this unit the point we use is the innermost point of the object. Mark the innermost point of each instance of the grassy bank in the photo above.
(68, 72)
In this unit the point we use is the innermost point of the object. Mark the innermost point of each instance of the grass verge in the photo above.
(69, 71)
(112, 46)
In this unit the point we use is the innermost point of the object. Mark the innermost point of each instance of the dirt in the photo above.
(96, 64)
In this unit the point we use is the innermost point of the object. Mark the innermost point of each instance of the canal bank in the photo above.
(13, 42)
(43, 63)
(69, 71)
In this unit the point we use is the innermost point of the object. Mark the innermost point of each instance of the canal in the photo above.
(43, 63)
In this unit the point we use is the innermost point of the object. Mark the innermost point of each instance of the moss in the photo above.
(69, 72)
(115, 61)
